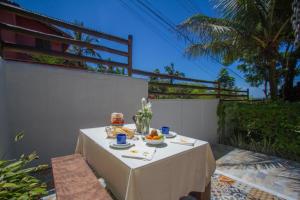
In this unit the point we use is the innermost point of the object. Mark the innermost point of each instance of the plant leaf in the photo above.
(19, 136)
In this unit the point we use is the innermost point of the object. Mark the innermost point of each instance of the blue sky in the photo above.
(154, 46)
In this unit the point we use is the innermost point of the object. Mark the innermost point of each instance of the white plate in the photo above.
(171, 134)
(120, 146)
(155, 142)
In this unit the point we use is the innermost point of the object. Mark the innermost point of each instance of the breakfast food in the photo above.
(154, 135)
(113, 131)
(117, 119)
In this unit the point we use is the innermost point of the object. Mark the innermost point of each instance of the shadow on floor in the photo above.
(269, 173)
(220, 150)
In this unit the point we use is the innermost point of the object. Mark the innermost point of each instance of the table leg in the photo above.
(202, 195)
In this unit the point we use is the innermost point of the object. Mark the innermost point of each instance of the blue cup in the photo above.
(165, 130)
(121, 138)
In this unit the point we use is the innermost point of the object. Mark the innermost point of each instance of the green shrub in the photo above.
(267, 127)
(17, 181)
(47, 59)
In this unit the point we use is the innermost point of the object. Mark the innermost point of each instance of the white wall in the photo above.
(196, 118)
(51, 104)
(5, 139)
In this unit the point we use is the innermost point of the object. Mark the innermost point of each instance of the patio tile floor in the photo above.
(224, 188)
(268, 173)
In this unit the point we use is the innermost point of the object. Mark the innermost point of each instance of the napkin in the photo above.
(184, 141)
(144, 153)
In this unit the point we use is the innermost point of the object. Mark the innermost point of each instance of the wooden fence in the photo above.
(209, 88)
(10, 47)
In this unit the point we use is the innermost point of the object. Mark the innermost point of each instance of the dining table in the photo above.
(172, 172)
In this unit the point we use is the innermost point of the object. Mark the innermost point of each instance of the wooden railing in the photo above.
(214, 89)
(211, 88)
(10, 47)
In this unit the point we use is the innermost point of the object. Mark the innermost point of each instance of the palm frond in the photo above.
(232, 9)
(216, 49)
(248, 12)
(206, 28)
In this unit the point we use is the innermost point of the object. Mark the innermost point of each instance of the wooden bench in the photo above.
(74, 180)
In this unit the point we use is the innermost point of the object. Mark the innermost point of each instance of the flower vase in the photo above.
(138, 123)
(146, 126)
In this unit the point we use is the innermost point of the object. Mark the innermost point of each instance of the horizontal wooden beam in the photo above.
(167, 76)
(34, 16)
(193, 87)
(233, 95)
(180, 94)
(56, 38)
(233, 90)
(67, 56)
(187, 94)
(234, 100)
(181, 86)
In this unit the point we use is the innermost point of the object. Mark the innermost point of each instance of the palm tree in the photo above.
(225, 79)
(155, 78)
(83, 51)
(170, 69)
(248, 27)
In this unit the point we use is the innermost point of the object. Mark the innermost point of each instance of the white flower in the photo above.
(144, 102)
(145, 112)
(148, 106)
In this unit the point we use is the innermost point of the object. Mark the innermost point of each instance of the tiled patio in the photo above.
(267, 173)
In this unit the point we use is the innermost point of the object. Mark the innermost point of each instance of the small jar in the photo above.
(117, 118)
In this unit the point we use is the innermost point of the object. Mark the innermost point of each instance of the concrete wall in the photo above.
(5, 139)
(51, 104)
(196, 118)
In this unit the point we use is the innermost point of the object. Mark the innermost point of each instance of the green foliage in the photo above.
(110, 69)
(154, 78)
(225, 79)
(170, 70)
(82, 51)
(17, 181)
(19, 136)
(268, 127)
(47, 59)
(164, 89)
(257, 34)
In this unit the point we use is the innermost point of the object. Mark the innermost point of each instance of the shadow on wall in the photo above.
(5, 140)
(196, 118)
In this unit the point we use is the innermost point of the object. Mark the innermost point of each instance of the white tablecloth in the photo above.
(174, 171)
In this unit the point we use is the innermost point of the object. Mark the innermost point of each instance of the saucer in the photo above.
(171, 134)
(120, 146)
(155, 142)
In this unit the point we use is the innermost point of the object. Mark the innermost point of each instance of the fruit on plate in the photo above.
(154, 135)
